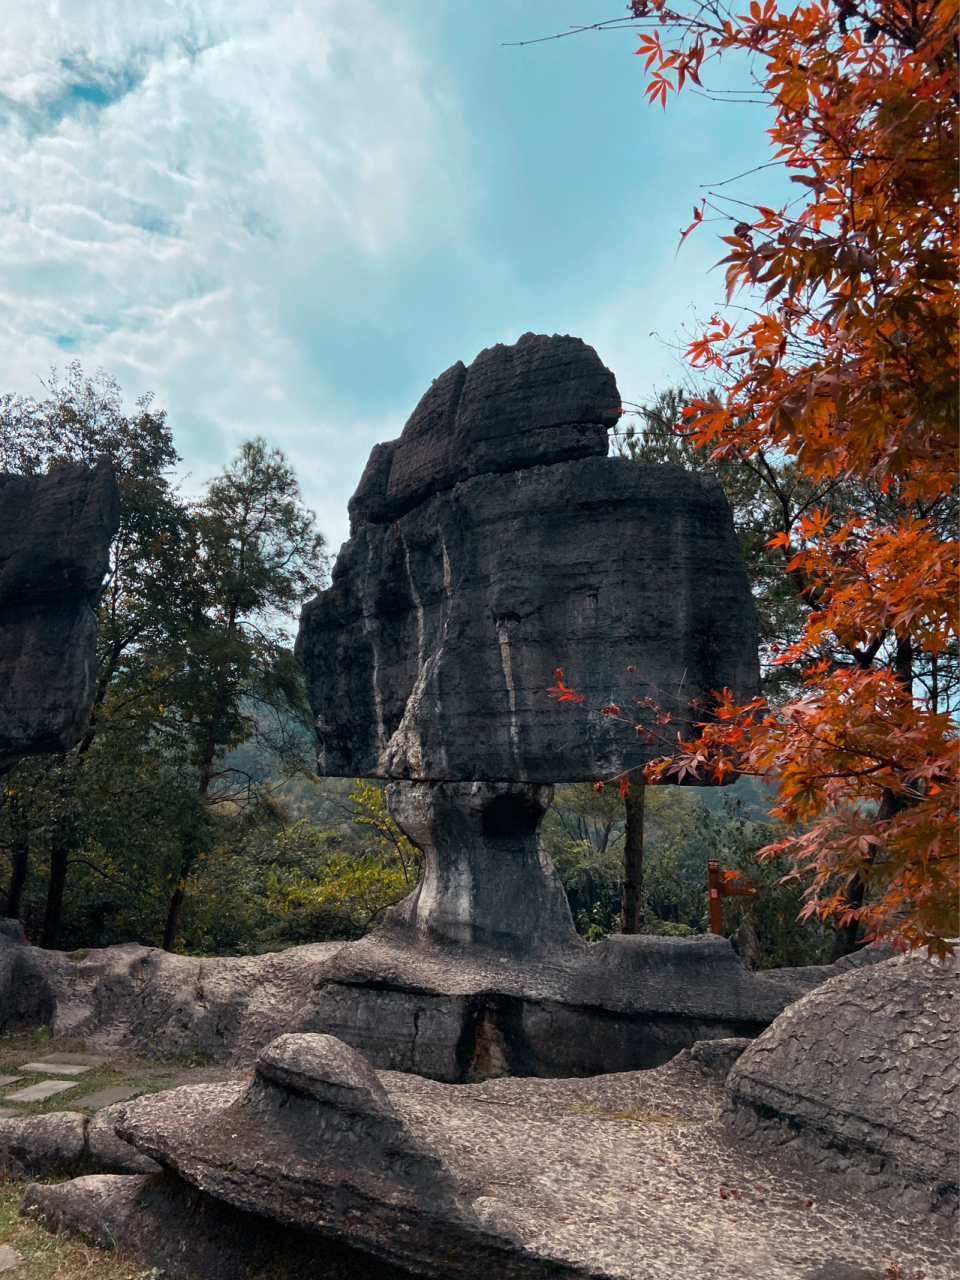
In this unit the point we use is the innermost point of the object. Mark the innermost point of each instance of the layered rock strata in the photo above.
(452, 1013)
(55, 535)
(492, 544)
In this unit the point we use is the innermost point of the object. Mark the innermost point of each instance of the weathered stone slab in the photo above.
(42, 1089)
(106, 1097)
(55, 534)
(56, 1068)
(5, 1081)
(108, 1153)
(864, 1070)
(166, 1224)
(314, 1142)
(66, 1142)
(9, 1258)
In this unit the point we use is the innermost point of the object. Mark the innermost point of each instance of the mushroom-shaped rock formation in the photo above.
(55, 535)
(492, 543)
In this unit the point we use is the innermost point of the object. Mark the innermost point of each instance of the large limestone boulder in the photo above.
(493, 543)
(501, 552)
(55, 535)
(862, 1073)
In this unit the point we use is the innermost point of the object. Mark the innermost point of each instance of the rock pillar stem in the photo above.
(487, 879)
(631, 913)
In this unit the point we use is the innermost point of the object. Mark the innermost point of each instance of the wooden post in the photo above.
(719, 889)
(713, 884)
(631, 914)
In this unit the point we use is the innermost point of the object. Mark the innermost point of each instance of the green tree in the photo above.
(82, 419)
(256, 556)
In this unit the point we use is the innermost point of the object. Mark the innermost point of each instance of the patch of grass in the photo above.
(36, 1042)
(56, 1257)
(105, 1076)
(639, 1114)
(190, 1058)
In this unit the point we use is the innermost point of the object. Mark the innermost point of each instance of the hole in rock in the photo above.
(510, 817)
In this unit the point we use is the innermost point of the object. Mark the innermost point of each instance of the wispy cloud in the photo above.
(171, 179)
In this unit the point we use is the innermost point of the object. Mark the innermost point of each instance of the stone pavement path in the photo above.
(65, 1078)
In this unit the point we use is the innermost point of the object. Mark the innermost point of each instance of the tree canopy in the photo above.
(848, 367)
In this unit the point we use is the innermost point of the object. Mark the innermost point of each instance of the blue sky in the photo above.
(285, 218)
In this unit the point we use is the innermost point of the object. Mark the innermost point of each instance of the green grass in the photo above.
(639, 1114)
(56, 1257)
(123, 1069)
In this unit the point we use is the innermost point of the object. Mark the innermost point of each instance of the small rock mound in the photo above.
(862, 1073)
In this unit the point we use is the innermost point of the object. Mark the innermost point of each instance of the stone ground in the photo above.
(632, 1173)
(117, 1070)
(626, 1175)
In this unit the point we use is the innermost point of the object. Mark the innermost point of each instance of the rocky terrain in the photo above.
(55, 535)
(449, 1013)
(652, 1174)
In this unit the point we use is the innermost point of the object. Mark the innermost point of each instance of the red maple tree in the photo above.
(848, 365)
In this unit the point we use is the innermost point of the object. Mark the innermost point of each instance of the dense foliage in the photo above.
(684, 827)
(845, 373)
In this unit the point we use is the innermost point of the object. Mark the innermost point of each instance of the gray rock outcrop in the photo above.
(315, 1142)
(542, 400)
(627, 1177)
(449, 1012)
(862, 1074)
(55, 535)
(492, 544)
(430, 656)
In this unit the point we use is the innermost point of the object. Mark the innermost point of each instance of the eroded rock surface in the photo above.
(55, 535)
(430, 656)
(541, 401)
(863, 1073)
(315, 1142)
(452, 1013)
(626, 1176)
(487, 879)
(67, 1142)
(492, 544)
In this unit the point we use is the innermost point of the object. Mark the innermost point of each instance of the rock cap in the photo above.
(539, 401)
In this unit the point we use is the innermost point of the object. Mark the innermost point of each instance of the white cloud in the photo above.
(171, 176)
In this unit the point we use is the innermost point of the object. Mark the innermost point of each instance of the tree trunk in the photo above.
(631, 915)
(176, 902)
(848, 935)
(21, 861)
(59, 849)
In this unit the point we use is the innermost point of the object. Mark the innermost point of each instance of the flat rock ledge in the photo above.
(626, 1176)
(455, 1013)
